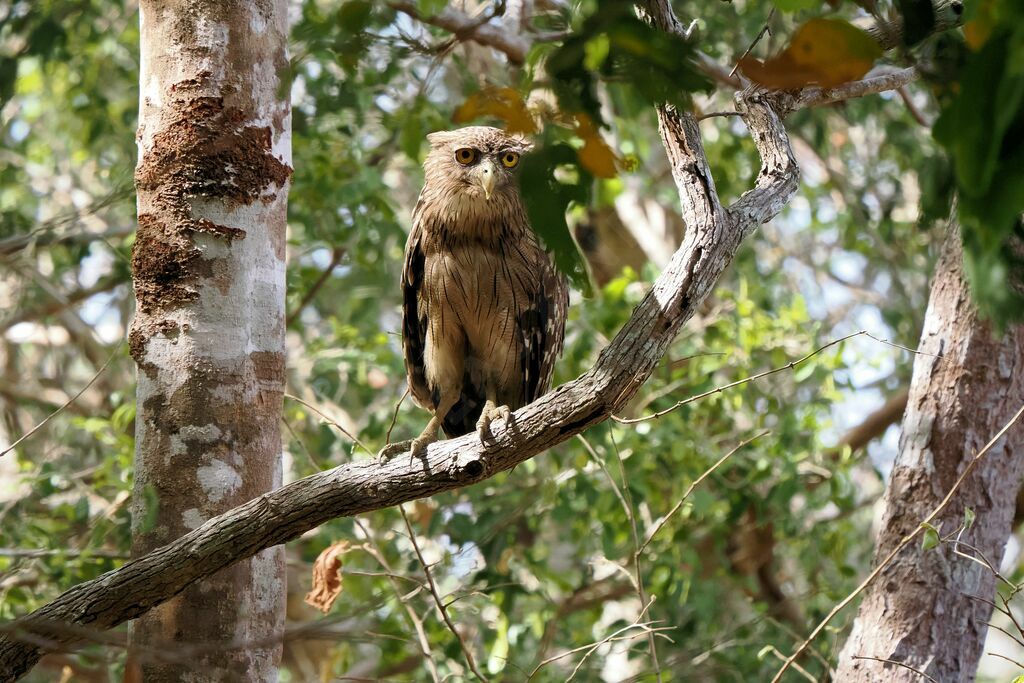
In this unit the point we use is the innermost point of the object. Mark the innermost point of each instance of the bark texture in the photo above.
(208, 337)
(921, 611)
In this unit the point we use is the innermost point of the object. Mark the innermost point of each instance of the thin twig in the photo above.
(893, 661)
(713, 114)
(1012, 661)
(615, 635)
(334, 424)
(66, 403)
(694, 484)
(44, 552)
(799, 669)
(336, 255)
(916, 352)
(394, 418)
(915, 113)
(765, 29)
(1009, 635)
(907, 540)
(437, 599)
(417, 623)
(626, 499)
(788, 366)
(288, 425)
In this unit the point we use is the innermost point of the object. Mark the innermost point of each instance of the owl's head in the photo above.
(475, 162)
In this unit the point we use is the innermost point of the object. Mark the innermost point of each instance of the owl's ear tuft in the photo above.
(440, 137)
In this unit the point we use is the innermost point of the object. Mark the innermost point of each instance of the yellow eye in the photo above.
(466, 155)
(509, 159)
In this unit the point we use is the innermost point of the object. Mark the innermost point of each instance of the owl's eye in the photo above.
(509, 159)
(466, 155)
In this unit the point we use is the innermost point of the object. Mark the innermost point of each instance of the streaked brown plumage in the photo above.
(484, 309)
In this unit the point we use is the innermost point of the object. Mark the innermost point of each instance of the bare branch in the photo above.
(815, 97)
(511, 44)
(63, 407)
(54, 306)
(788, 366)
(875, 424)
(694, 484)
(900, 664)
(333, 423)
(336, 255)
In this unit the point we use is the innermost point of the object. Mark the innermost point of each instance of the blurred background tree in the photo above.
(536, 562)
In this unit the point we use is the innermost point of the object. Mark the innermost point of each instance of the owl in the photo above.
(483, 308)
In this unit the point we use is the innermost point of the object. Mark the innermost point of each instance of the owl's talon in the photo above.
(490, 413)
(419, 446)
(392, 449)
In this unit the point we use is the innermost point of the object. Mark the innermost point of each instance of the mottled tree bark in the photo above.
(920, 611)
(208, 337)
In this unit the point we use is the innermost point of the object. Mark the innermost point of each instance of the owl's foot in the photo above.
(417, 447)
(488, 415)
(393, 449)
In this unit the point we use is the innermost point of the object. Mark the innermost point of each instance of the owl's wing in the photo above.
(414, 315)
(542, 326)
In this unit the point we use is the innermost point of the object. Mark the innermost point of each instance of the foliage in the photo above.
(983, 130)
(825, 52)
(537, 561)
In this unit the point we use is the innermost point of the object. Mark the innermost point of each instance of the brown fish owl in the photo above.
(484, 308)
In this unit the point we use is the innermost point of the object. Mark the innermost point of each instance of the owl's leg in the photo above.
(429, 434)
(490, 412)
(418, 447)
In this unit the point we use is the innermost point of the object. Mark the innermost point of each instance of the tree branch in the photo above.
(815, 97)
(511, 44)
(712, 239)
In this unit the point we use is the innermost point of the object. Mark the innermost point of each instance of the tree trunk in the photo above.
(208, 337)
(922, 610)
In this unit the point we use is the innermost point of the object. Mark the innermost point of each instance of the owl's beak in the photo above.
(488, 177)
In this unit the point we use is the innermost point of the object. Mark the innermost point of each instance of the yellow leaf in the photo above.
(595, 155)
(501, 103)
(825, 52)
(978, 29)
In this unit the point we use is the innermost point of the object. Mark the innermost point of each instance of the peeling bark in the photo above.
(921, 611)
(208, 337)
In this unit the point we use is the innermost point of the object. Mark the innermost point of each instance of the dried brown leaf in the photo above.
(327, 576)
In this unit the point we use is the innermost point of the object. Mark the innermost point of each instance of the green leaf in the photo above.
(613, 45)
(547, 200)
(982, 128)
(8, 76)
(931, 537)
(796, 5)
(968, 518)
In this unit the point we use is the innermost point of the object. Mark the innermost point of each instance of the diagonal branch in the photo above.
(713, 236)
(360, 487)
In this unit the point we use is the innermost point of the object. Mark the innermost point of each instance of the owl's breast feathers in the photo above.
(482, 293)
